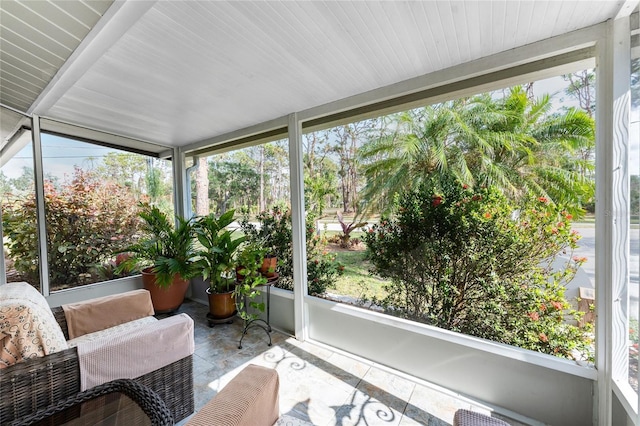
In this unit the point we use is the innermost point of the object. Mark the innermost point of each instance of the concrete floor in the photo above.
(318, 384)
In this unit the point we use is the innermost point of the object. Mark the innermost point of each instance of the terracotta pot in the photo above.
(165, 299)
(268, 268)
(239, 276)
(221, 305)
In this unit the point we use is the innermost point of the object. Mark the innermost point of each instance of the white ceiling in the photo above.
(177, 72)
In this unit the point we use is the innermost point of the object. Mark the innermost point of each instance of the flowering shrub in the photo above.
(467, 260)
(274, 231)
(87, 220)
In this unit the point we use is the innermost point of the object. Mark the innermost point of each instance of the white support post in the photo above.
(298, 226)
(43, 259)
(179, 179)
(612, 213)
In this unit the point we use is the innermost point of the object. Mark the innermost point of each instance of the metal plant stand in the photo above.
(259, 322)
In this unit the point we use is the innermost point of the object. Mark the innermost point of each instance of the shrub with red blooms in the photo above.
(468, 260)
(87, 220)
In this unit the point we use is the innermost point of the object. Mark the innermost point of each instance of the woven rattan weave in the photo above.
(104, 401)
(40, 382)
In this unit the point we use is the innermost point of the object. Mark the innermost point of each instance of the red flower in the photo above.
(543, 337)
(568, 217)
(437, 200)
(557, 305)
(465, 186)
(543, 200)
(487, 215)
(534, 316)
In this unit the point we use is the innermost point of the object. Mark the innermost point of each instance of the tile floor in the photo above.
(319, 385)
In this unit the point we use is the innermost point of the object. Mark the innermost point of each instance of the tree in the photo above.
(348, 138)
(271, 163)
(5, 184)
(460, 259)
(320, 172)
(231, 182)
(202, 187)
(512, 142)
(125, 168)
(582, 87)
(25, 182)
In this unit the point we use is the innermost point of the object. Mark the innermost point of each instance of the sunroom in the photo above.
(180, 85)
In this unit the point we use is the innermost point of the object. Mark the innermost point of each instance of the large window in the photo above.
(92, 195)
(20, 248)
(475, 215)
(254, 183)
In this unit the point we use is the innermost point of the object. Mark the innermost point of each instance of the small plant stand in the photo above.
(259, 322)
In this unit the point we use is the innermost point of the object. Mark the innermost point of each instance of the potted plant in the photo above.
(250, 260)
(215, 261)
(268, 236)
(164, 256)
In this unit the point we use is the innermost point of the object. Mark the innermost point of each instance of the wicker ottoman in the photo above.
(472, 418)
(250, 399)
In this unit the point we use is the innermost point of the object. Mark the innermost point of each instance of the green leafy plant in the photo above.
(87, 220)
(166, 249)
(469, 260)
(215, 260)
(274, 228)
(249, 261)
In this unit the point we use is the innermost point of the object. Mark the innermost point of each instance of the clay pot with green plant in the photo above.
(250, 260)
(216, 261)
(165, 257)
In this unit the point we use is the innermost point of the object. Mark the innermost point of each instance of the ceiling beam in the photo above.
(626, 8)
(116, 21)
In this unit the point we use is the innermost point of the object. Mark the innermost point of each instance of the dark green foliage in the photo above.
(216, 258)
(246, 291)
(167, 249)
(470, 261)
(232, 182)
(275, 234)
(87, 220)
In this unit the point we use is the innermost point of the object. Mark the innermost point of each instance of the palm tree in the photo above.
(512, 142)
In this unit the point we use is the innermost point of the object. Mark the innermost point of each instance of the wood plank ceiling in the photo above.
(179, 72)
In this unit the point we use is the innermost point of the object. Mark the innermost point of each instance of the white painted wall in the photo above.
(85, 292)
(538, 386)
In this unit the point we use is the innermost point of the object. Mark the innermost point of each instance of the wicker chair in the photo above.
(464, 417)
(104, 402)
(37, 383)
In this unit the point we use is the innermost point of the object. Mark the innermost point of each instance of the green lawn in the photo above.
(356, 281)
